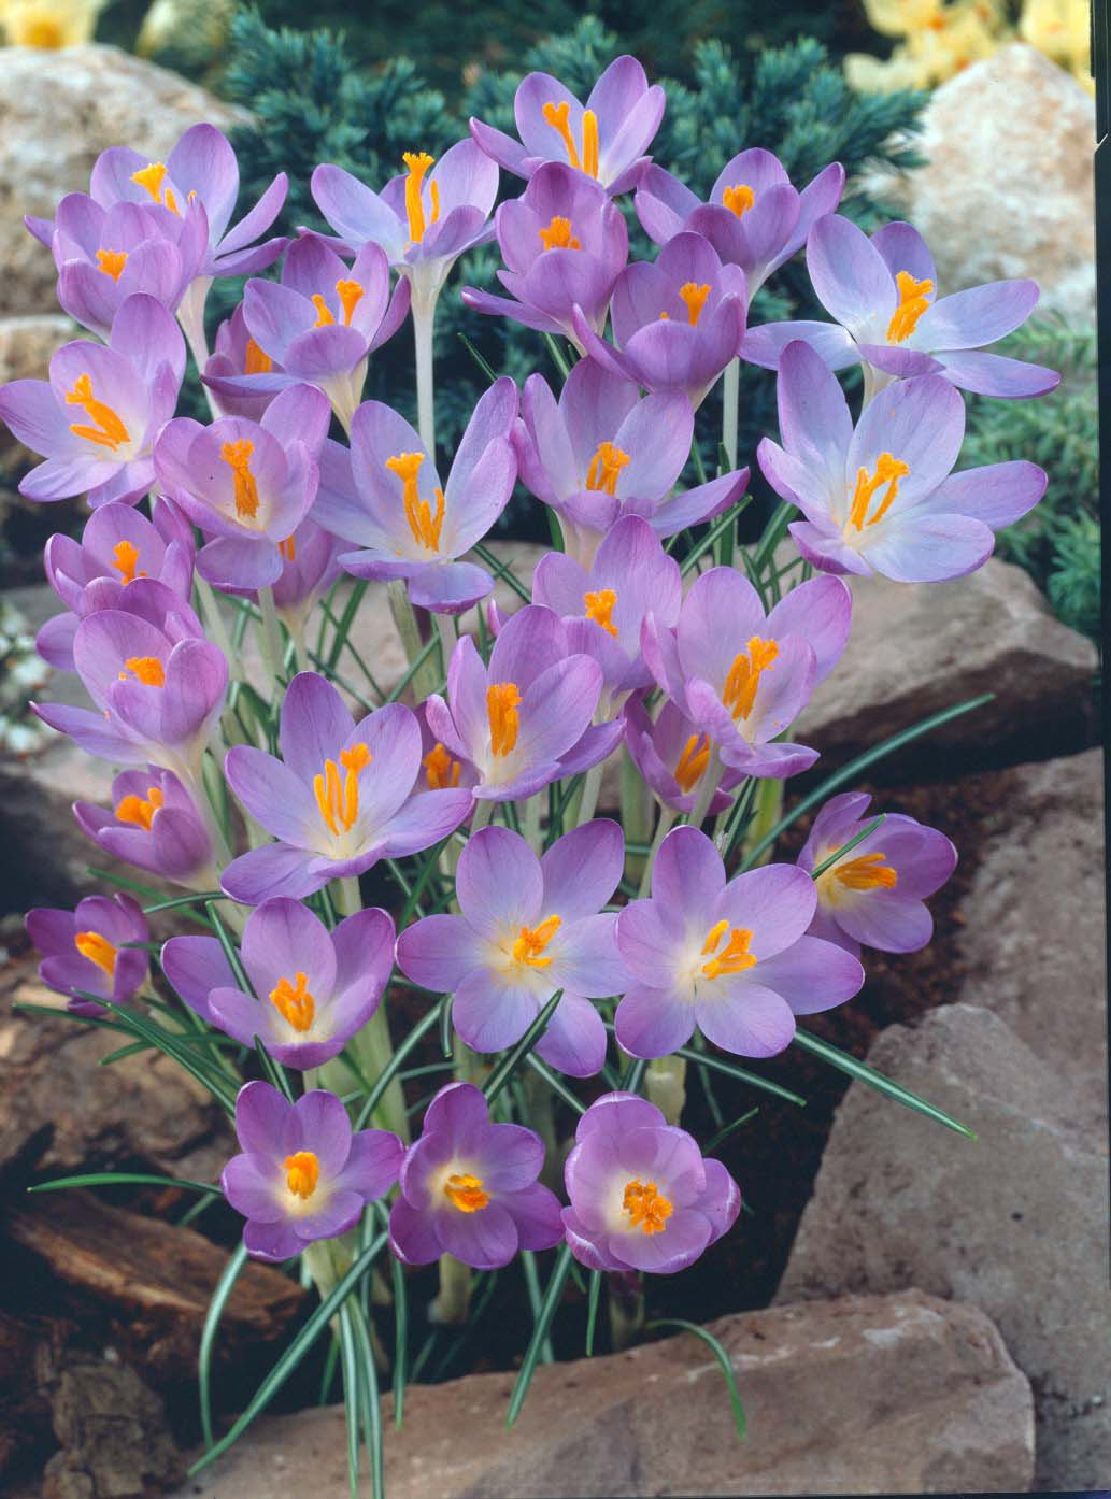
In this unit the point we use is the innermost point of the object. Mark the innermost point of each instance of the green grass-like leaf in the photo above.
(543, 1322)
(224, 1286)
(722, 1358)
(865, 1074)
(123, 1179)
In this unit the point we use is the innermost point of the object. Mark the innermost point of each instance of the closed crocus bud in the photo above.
(154, 824)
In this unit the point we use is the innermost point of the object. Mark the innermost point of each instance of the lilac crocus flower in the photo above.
(373, 499)
(881, 294)
(604, 606)
(603, 451)
(605, 138)
(314, 988)
(754, 218)
(529, 926)
(85, 950)
(741, 676)
(882, 498)
(235, 355)
(155, 824)
(248, 485)
(95, 420)
(875, 894)
(340, 799)
(643, 1197)
(564, 244)
(673, 756)
(304, 1174)
(469, 1188)
(310, 565)
(730, 958)
(524, 720)
(677, 322)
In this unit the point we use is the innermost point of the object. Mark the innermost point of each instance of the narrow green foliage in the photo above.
(541, 1325)
(212, 1318)
(722, 1357)
(846, 848)
(123, 1179)
(513, 1058)
(874, 1079)
(594, 1295)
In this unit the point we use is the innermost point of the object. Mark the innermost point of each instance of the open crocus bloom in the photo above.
(643, 1197)
(313, 989)
(882, 294)
(602, 451)
(524, 720)
(875, 894)
(673, 756)
(564, 244)
(155, 824)
(386, 498)
(248, 485)
(529, 926)
(677, 321)
(96, 418)
(605, 138)
(85, 950)
(730, 958)
(304, 1174)
(340, 798)
(754, 218)
(469, 1188)
(882, 498)
(742, 677)
(235, 355)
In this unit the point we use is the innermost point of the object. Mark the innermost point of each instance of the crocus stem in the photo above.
(591, 787)
(214, 620)
(731, 405)
(448, 637)
(663, 827)
(273, 654)
(424, 320)
(404, 617)
(637, 808)
(706, 788)
(665, 1083)
(767, 809)
(626, 1307)
(452, 1305)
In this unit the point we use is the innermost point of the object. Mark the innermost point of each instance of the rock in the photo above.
(988, 134)
(1015, 1223)
(918, 648)
(898, 1394)
(58, 111)
(115, 1441)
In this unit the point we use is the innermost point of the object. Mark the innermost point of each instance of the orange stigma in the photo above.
(293, 1002)
(418, 165)
(126, 555)
(350, 294)
(153, 177)
(140, 812)
(599, 607)
(889, 470)
(465, 1192)
(106, 429)
(558, 116)
(914, 299)
(739, 692)
(111, 262)
(692, 763)
(558, 235)
(425, 522)
(338, 798)
(146, 669)
(605, 468)
(694, 295)
(734, 957)
(646, 1206)
(441, 768)
(98, 950)
(867, 872)
(255, 362)
(529, 946)
(302, 1172)
(738, 199)
(237, 456)
(502, 702)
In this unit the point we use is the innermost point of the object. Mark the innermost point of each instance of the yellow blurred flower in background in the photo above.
(1062, 30)
(48, 23)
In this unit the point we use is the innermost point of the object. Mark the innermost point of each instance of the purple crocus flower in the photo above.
(524, 720)
(248, 485)
(529, 926)
(372, 497)
(604, 606)
(605, 138)
(603, 451)
(754, 218)
(97, 417)
(469, 1188)
(85, 950)
(741, 676)
(314, 988)
(234, 356)
(730, 958)
(155, 824)
(673, 756)
(677, 322)
(882, 498)
(310, 565)
(340, 799)
(304, 1173)
(564, 244)
(643, 1197)
(881, 294)
(875, 894)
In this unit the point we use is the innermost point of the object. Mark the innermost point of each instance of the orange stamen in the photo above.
(558, 235)
(914, 299)
(255, 362)
(694, 295)
(734, 957)
(107, 430)
(738, 199)
(441, 768)
(293, 1002)
(418, 164)
(126, 554)
(98, 950)
(531, 942)
(147, 669)
(336, 797)
(424, 522)
(605, 468)
(739, 692)
(502, 702)
(112, 262)
(692, 762)
(889, 470)
(140, 812)
(465, 1192)
(646, 1206)
(237, 456)
(867, 872)
(302, 1172)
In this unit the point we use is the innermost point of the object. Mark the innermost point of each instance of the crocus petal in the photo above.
(996, 375)
(653, 1022)
(812, 975)
(195, 966)
(755, 1022)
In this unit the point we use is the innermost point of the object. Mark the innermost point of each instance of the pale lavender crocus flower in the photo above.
(875, 894)
(340, 798)
(673, 755)
(85, 951)
(469, 1188)
(529, 926)
(235, 355)
(728, 958)
(742, 676)
(605, 138)
(154, 824)
(882, 295)
(312, 988)
(386, 498)
(882, 497)
(643, 1197)
(602, 451)
(304, 1174)
(96, 418)
(310, 565)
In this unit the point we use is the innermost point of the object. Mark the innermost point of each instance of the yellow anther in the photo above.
(288, 548)
(151, 177)
(738, 199)
(646, 1206)
(465, 1192)
(530, 944)
(302, 1172)
(502, 702)
(914, 299)
(558, 235)
(126, 555)
(734, 957)
(237, 456)
(98, 950)
(889, 470)
(441, 768)
(605, 468)
(558, 116)
(338, 796)
(293, 1002)
(139, 810)
(590, 143)
(112, 262)
(324, 317)
(425, 523)
(692, 763)
(255, 362)
(418, 165)
(867, 872)
(350, 294)
(743, 678)
(694, 295)
(106, 429)
(599, 607)
(146, 669)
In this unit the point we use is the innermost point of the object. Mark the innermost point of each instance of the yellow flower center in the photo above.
(738, 199)
(733, 957)
(107, 430)
(293, 1002)
(153, 177)
(694, 295)
(146, 669)
(418, 165)
(914, 299)
(647, 1207)
(889, 470)
(531, 942)
(98, 950)
(237, 456)
(302, 1172)
(605, 468)
(126, 555)
(350, 294)
(424, 522)
(139, 811)
(465, 1192)
(739, 692)
(692, 763)
(441, 768)
(599, 607)
(558, 116)
(502, 702)
(112, 262)
(336, 796)
(867, 872)
(558, 235)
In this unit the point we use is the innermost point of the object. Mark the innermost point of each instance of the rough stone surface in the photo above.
(1015, 1222)
(115, 1441)
(901, 1394)
(988, 134)
(58, 111)
(916, 649)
